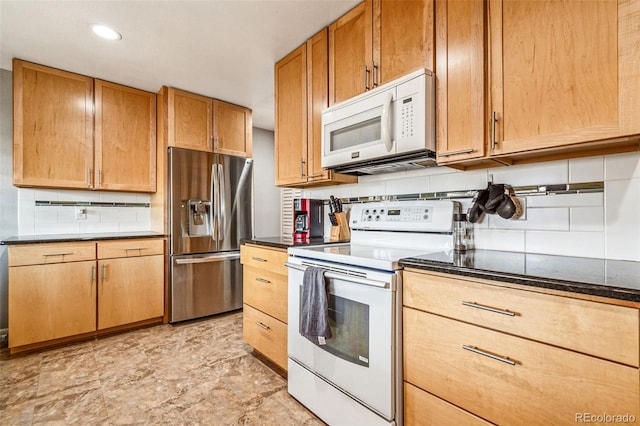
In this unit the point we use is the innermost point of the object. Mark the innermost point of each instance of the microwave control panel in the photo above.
(418, 215)
(407, 116)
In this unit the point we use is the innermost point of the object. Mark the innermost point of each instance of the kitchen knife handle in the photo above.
(338, 206)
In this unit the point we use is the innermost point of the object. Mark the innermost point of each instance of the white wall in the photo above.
(590, 225)
(266, 194)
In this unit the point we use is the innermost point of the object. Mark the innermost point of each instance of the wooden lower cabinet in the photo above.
(513, 369)
(130, 290)
(49, 302)
(422, 408)
(60, 292)
(266, 334)
(265, 296)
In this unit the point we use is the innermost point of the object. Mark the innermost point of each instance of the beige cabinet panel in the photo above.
(125, 138)
(423, 409)
(36, 254)
(509, 380)
(52, 127)
(130, 290)
(265, 291)
(130, 248)
(189, 120)
(232, 129)
(563, 73)
(49, 302)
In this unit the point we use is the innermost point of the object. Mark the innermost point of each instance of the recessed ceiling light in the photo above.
(106, 32)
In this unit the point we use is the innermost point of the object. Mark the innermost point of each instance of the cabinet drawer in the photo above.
(548, 385)
(269, 259)
(129, 248)
(266, 334)
(422, 408)
(265, 291)
(38, 254)
(594, 328)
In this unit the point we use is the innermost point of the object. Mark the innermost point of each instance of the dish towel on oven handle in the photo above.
(314, 316)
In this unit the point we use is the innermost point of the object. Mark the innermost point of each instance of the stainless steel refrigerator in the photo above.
(210, 211)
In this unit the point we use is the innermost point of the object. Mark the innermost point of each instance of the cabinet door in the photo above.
(291, 117)
(350, 39)
(232, 133)
(317, 100)
(130, 290)
(460, 83)
(402, 38)
(189, 121)
(51, 301)
(52, 127)
(563, 72)
(125, 151)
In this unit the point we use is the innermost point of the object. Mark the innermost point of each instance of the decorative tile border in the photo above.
(89, 204)
(521, 191)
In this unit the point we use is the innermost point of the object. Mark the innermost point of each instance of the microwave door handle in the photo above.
(386, 122)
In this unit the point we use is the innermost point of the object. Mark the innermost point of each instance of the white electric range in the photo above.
(356, 377)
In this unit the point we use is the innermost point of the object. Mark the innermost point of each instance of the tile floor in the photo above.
(195, 373)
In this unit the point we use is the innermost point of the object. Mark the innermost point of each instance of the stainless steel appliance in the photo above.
(210, 211)
(389, 128)
(356, 377)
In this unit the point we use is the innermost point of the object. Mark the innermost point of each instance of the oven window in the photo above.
(356, 134)
(349, 322)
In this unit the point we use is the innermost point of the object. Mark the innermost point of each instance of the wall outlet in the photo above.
(81, 213)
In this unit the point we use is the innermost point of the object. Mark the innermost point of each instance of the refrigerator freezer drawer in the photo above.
(204, 285)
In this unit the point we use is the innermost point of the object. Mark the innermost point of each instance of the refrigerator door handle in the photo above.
(209, 259)
(222, 197)
(215, 204)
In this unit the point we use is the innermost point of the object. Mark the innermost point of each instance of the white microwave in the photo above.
(389, 128)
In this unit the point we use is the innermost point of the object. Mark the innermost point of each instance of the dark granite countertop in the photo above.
(616, 279)
(282, 242)
(65, 238)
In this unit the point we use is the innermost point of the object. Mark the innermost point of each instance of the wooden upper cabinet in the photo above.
(460, 79)
(563, 72)
(349, 42)
(291, 117)
(125, 137)
(232, 129)
(301, 93)
(376, 42)
(402, 38)
(190, 120)
(52, 127)
(197, 122)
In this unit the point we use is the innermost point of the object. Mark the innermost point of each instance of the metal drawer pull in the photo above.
(489, 308)
(259, 259)
(490, 355)
(57, 254)
(462, 151)
(93, 273)
(262, 280)
(261, 325)
(137, 248)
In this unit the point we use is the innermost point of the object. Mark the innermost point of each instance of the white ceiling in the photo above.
(222, 49)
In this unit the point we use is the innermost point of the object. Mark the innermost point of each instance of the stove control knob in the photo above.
(369, 217)
(378, 217)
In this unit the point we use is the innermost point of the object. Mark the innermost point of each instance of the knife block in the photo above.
(342, 232)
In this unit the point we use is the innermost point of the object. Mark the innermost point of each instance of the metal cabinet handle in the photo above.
(302, 168)
(315, 176)
(375, 74)
(261, 325)
(489, 308)
(138, 249)
(211, 142)
(475, 350)
(103, 273)
(93, 274)
(216, 143)
(259, 259)
(57, 254)
(88, 178)
(366, 78)
(262, 280)
(493, 129)
(99, 184)
(462, 151)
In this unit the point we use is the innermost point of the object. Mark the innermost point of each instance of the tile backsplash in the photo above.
(38, 219)
(600, 224)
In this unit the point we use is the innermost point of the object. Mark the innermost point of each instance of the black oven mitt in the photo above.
(476, 210)
(500, 202)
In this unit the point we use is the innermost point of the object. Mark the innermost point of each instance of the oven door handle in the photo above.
(343, 277)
